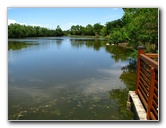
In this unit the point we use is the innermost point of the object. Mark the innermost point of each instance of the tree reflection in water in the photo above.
(19, 45)
(128, 77)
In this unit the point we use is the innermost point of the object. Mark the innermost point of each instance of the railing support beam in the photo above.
(140, 51)
(151, 90)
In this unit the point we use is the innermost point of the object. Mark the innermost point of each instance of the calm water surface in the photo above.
(68, 79)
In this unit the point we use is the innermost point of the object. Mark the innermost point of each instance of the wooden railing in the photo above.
(147, 82)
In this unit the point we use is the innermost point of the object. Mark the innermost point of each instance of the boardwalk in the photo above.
(147, 91)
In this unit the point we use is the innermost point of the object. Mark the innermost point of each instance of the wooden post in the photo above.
(140, 51)
(151, 91)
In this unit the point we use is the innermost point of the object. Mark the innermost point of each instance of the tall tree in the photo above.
(89, 30)
(141, 27)
(97, 28)
(58, 31)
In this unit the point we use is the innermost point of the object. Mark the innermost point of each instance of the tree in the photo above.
(114, 29)
(89, 30)
(141, 27)
(58, 31)
(15, 30)
(103, 31)
(73, 30)
(115, 37)
(82, 30)
(97, 28)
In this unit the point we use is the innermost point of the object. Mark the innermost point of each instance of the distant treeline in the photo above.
(138, 26)
(19, 31)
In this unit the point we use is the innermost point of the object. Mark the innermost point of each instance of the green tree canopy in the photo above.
(141, 27)
(19, 31)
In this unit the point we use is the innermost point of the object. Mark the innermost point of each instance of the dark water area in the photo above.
(67, 78)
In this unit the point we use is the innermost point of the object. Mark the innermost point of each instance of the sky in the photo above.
(64, 17)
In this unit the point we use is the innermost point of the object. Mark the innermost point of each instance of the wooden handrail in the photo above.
(152, 55)
(147, 88)
(149, 61)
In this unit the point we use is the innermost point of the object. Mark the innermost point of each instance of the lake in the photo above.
(68, 78)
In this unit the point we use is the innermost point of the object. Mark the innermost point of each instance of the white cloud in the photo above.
(113, 17)
(67, 26)
(115, 8)
(10, 21)
(14, 21)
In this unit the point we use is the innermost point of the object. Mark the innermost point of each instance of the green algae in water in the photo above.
(92, 85)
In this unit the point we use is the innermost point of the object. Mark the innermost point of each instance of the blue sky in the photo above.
(65, 17)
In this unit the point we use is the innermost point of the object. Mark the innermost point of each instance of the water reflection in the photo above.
(128, 75)
(59, 42)
(96, 44)
(19, 45)
(119, 53)
(69, 79)
(120, 97)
